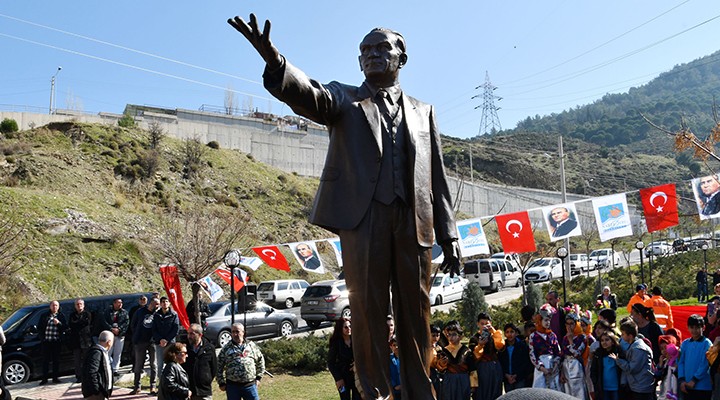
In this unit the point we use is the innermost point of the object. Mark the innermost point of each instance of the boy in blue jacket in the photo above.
(693, 368)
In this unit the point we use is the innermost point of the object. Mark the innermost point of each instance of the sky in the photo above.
(543, 56)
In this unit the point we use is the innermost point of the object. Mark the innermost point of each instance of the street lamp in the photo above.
(52, 90)
(640, 246)
(562, 252)
(232, 260)
(705, 248)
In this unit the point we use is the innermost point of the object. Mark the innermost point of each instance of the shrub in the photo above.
(8, 125)
(214, 145)
(301, 354)
(127, 121)
(471, 304)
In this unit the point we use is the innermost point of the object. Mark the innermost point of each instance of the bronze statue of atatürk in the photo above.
(383, 190)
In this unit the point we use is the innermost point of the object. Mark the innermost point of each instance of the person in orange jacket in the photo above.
(661, 308)
(640, 296)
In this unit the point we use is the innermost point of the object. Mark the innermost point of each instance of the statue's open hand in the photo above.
(451, 258)
(260, 40)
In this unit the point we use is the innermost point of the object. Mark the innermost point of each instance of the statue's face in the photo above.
(380, 57)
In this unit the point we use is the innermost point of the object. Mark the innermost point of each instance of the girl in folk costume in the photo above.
(667, 368)
(545, 351)
(454, 361)
(587, 327)
(572, 348)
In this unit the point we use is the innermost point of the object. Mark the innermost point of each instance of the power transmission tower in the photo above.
(489, 122)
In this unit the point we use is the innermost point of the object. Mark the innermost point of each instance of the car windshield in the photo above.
(215, 306)
(437, 281)
(15, 319)
(543, 262)
(499, 255)
(574, 256)
(597, 253)
(266, 287)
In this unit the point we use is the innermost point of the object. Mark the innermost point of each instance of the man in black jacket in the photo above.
(97, 382)
(116, 320)
(51, 328)
(515, 359)
(201, 363)
(79, 335)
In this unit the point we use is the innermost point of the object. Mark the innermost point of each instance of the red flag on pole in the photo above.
(516, 232)
(225, 274)
(660, 206)
(272, 256)
(171, 280)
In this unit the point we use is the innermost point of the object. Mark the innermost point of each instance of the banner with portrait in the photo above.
(612, 216)
(706, 191)
(212, 289)
(307, 256)
(471, 238)
(561, 221)
(337, 248)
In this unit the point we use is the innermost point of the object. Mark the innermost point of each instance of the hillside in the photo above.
(89, 212)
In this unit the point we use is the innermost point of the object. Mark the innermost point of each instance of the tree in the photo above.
(588, 235)
(193, 153)
(197, 239)
(471, 304)
(12, 244)
(230, 101)
(156, 134)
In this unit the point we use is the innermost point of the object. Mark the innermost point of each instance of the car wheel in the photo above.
(224, 337)
(498, 286)
(15, 371)
(345, 313)
(289, 302)
(313, 324)
(286, 328)
(438, 300)
(517, 283)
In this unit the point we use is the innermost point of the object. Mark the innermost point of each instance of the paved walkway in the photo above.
(68, 389)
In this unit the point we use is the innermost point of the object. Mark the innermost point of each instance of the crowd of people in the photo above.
(561, 348)
(177, 370)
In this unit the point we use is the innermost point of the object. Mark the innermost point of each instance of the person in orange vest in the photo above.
(661, 308)
(640, 296)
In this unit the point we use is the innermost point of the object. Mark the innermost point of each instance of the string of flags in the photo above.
(612, 219)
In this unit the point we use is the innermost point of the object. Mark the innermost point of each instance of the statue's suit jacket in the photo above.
(352, 166)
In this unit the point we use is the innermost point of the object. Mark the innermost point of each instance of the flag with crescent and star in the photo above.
(171, 281)
(660, 206)
(516, 232)
(272, 256)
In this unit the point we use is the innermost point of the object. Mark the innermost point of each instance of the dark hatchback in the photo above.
(22, 354)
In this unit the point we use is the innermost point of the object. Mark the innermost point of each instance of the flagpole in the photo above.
(565, 261)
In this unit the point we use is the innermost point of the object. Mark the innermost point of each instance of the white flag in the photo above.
(472, 238)
(213, 290)
(612, 216)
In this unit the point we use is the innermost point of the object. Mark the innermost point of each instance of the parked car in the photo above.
(680, 244)
(260, 320)
(543, 269)
(22, 353)
(512, 258)
(605, 258)
(658, 248)
(492, 274)
(445, 289)
(325, 301)
(581, 262)
(284, 292)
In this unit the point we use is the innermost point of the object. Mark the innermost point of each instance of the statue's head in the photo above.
(382, 54)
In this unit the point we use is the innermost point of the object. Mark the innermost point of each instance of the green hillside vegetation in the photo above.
(90, 198)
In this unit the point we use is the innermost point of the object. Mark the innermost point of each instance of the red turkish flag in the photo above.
(516, 232)
(660, 206)
(240, 276)
(171, 280)
(272, 256)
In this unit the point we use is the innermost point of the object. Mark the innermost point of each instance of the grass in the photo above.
(320, 386)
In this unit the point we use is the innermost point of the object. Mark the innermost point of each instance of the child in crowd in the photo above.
(485, 345)
(667, 368)
(395, 367)
(637, 369)
(604, 372)
(435, 376)
(454, 362)
(693, 368)
(545, 351)
(572, 349)
(514, 359)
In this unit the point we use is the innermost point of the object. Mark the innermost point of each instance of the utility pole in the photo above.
(566, 261)
(489, 121)
(52, 91)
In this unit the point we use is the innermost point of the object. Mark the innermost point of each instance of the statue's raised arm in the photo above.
(260, 41)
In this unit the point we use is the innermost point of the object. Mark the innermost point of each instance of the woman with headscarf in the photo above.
(545, 351)
(644, 317)
(572, 347)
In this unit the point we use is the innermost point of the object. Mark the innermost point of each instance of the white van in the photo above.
(605, 258)
(492, 274)
(286, 292)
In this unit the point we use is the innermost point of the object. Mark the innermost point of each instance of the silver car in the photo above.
(325, 301)
(262, 321)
